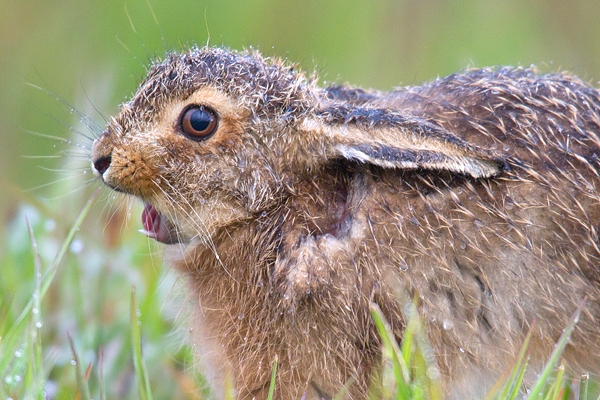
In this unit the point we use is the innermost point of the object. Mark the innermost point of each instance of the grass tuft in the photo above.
(136, 343)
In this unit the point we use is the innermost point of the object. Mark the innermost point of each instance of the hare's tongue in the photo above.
(155, 225)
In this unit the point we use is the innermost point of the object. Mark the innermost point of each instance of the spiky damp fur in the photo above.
(476, 193)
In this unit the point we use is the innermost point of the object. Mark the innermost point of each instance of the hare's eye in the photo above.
(198, 122)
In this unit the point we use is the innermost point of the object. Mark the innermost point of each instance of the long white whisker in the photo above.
(78, 189)
(42, 157)
(48, 184)
(87, 121)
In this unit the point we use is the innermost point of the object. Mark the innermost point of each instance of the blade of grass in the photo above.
(136, 344)
(12, 339)
(273, 375)
(82, 386)
(556, 354)
(429, 373)
(407, 341)
(390, 347)
(509, 388)
(5, 303)
(556, 387)
(101, 373)
(45, 281)
(584, 386)
(229, 390)
(36, 318)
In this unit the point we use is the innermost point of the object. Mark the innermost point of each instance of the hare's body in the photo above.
(476, 194)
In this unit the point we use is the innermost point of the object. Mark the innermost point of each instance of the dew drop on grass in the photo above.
(18, 353)
(34, 311)
(50, 225)
(73, 362)
(76, 246)
(409, 309)
(39, 325)
(433, 373)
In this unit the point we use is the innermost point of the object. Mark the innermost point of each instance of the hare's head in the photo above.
(212, 137)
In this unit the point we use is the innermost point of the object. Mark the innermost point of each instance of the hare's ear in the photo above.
(391, 140)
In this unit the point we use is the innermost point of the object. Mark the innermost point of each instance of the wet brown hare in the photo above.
(291, 208)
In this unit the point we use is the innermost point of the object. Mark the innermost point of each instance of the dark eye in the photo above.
(198, 122)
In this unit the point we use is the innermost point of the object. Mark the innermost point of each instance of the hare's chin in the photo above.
(157, 226)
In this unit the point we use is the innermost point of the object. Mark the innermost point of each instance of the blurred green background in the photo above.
(92, 54)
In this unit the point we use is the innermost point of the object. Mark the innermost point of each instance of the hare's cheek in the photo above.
(131, 173)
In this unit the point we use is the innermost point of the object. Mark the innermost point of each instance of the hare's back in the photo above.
(489, 256)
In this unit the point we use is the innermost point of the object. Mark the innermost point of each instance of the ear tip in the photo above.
(486, 168)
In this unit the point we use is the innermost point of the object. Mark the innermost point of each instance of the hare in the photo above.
(292, 208)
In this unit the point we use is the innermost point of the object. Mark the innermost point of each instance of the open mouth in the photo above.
(157, 226)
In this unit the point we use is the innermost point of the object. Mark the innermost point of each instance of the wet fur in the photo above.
(476, 193)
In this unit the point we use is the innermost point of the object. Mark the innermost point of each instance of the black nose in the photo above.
(102, 164)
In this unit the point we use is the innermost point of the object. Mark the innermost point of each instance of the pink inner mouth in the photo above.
(155, 226)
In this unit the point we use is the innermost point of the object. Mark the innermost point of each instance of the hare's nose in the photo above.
(101, 164)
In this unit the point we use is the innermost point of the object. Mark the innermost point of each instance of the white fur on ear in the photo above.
(390, 140)
(391, 157)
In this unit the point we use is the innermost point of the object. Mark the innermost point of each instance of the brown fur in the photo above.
(478, 193)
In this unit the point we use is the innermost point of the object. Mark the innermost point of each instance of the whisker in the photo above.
(72, 171)
(72, 154)
(87, 121)
(162, 34)
(122, 44)
(42, 157)
(46, 136)
(60, 139)
(71, 128)
(129, 18)
(104, 118)
(43, 185)
(66, 195)
(207, 239)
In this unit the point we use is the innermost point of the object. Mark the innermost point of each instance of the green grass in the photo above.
(70, 324)
(83, 318)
